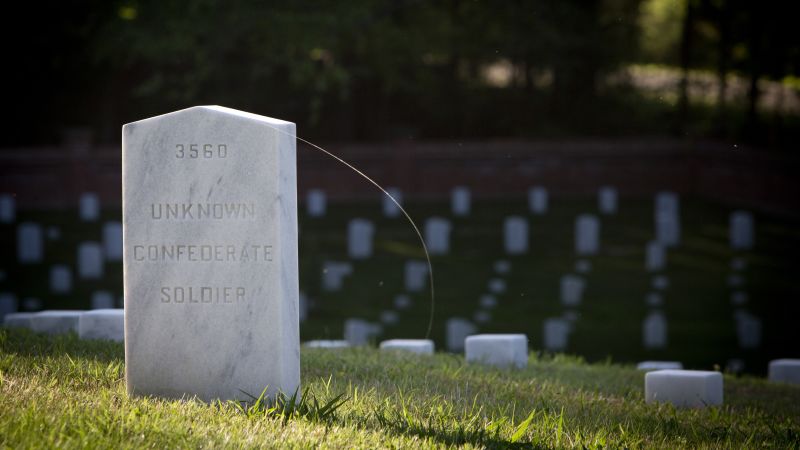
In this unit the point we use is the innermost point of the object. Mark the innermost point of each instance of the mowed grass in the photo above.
(60, 392)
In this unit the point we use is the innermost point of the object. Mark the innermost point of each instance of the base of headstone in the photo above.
(684, 388)
(104, 324)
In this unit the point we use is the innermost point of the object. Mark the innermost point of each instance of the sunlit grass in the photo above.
(66, 393)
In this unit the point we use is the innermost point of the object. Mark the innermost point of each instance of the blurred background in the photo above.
(614, 178)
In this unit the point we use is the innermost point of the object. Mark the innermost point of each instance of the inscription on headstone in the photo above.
(210, 235)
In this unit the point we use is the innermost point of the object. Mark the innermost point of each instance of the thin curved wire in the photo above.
(410, 220)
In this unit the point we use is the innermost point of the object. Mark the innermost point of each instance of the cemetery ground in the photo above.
(66, 393)
(697, 303)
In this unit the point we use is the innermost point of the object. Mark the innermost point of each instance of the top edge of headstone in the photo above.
(220, 109)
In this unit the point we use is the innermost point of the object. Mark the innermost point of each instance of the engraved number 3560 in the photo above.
(195, 151)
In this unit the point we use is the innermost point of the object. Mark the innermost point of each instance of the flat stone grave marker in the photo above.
(316, 203)
(8, 208)
(390, 209)
(587, 234)
(458, 329)
(556, 332)
(460, 201)
(359, 238)
(30, 243)
(90, 260)
(55, 321)
(18, 320)
(89, 207)
(327, 343)
(741, 230)
(333, 273)
(785, 371)
(437, 235)
(417, 346)
(668, 228)
(684, 388)
(499, 350)
(537, 200)
(102, 300)
(415, 275)
(515, 235)
(607, 200)
(112, 241)
(105, 324)
(659, 365)
(211, 265)
(60, 279)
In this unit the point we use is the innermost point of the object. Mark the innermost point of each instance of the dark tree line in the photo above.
(365, 69)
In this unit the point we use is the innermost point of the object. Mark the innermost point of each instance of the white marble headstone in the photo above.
(102, 300)
(211, 266)
(30, 243)
(499, 350)
(457, 330)
(359, 238)
(18, 320)
(60, 279)
(741, 230)
(112, 241)
(785, 371)
(333, 273)
(390, 209)
(667, 201)
(418, 346)
(515, 235)
(415, 275)
(537, 200)
(572, 287)
(684, 388)
(556, 332)
(655, 257)
(316, 203)
(8, 208)
(668, 228)
(460, 201)
(89, 207)
(607, 200)
(437, 235)
(8, 304)
(587, 234)
(105, 324)
(90, 260)
(654, 330)
(55, 321)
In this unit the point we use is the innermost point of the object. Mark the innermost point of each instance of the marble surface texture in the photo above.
(210, 255)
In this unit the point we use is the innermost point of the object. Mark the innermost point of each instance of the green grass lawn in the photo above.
(60, 392)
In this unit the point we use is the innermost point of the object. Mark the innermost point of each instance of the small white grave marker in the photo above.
(359, 238)
(437, 235)
(55, 321)
(112, 241)
(499, 350)
(556, 333)
(416, 275)
(537, 200)
(8, 208)
(333, 273)
(659, 365)
(102, 300)
(785, 371)
(654, 330)
(360, 332)
(326, 343)
(607, 200)
(572, 287)
(60, 279)
(418, 346)
(90, 261)
(515, 235)
(89, 207)
(390, 209)
(457, 330)
(30, 245)
(684, 388)
(460, 201)
(668, 228)
(316, 203)
(587, 234)
(106, 324)
(741, 230)
(18, 320)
